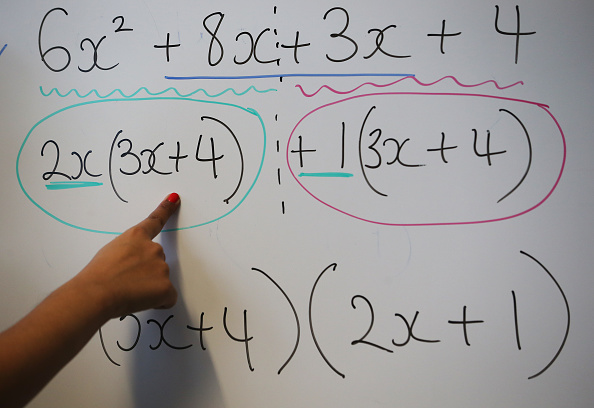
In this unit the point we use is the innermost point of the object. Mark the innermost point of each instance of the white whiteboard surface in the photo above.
(384, 203)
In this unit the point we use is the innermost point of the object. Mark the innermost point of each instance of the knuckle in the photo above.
(167, 294)
(136, 232)
(172, 298)
(155, 246)
(164, 270)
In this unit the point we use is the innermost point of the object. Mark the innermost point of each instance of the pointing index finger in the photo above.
(154, 223)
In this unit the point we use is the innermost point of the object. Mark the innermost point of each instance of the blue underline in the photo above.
(181, 78)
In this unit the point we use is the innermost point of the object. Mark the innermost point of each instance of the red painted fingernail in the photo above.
(173, 198)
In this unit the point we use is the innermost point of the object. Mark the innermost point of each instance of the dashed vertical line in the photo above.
(278, 170)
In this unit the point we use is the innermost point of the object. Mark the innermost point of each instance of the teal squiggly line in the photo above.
(94, 91)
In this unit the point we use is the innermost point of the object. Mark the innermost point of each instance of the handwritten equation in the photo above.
(468, 158)
(128, 146)
(406, 162)
(405, 326)
(440, 146)
(271, 44)
(496, 159)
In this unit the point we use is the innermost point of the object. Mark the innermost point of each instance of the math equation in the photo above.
(407, 328)
(392, 151)
(221, 40)
(469, 156)
(373, 143)
(215, 149)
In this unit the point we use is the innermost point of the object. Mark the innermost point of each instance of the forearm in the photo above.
(34, 350)
(127, 275)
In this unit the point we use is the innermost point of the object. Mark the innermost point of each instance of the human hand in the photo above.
(130, 273)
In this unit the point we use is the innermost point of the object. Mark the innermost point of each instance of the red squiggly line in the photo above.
(402, 79)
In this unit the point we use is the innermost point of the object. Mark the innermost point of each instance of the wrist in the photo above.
(91, 298)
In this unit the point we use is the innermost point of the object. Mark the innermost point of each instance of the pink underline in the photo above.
(402, 79)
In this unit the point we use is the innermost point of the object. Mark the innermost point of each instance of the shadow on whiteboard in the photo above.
(163, 375)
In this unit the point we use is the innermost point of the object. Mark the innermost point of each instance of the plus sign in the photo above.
(464, 322)
(443, 148)
(167, 46)
(443, 35)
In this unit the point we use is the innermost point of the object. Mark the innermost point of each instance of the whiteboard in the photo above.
(383, 203)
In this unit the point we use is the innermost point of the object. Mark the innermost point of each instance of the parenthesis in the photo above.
(361, 155)
(105, 349)
(568, 315)
(109, 166)
(137, 334)
(226, 200)
(294, 313)
(333, 266)
(529, 155)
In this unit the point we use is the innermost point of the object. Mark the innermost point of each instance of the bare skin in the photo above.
(127, 275)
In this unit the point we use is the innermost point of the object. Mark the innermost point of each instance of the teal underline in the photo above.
(65, 185)
(326, 174)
